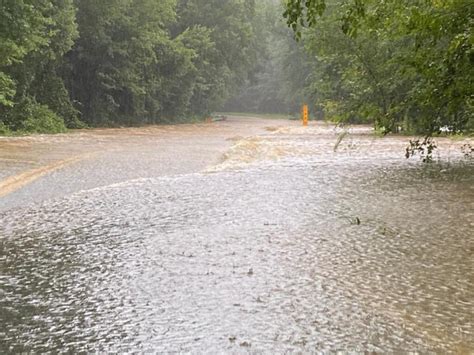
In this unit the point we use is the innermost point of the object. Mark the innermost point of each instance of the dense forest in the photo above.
(71, 63)
(405, 64)
(400, 64)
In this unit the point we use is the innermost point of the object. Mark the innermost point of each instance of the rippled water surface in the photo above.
(284, 246)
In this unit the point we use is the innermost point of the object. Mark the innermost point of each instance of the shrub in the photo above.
(31, 117)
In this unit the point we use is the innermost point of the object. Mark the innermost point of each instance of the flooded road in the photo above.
(41, 167)
(239, 236)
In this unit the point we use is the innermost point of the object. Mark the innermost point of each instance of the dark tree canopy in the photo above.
(120, 62)
(400, 64)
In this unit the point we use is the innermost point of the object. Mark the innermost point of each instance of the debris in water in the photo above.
(355, 221)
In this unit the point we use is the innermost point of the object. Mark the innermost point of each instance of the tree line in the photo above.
(72, 63)
(281, 79)
(399, 64)
(402, 64)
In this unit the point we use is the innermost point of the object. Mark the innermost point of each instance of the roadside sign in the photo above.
(305, 115)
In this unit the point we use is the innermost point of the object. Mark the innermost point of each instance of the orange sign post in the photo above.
(305, 115)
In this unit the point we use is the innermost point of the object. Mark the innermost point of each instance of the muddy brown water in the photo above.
(241, 236)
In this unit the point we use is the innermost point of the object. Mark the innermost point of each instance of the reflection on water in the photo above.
(262, 257)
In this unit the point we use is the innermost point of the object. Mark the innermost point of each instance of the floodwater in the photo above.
(256, 236)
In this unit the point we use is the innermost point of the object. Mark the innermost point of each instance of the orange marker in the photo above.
(305, 114)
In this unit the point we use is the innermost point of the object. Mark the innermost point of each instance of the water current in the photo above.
(286, 245)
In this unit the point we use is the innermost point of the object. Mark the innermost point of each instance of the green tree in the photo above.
(281, 77)
(226, 50)
(112, 59)
(22, 28)
(123, 62)
(38, 39)
(398, 63)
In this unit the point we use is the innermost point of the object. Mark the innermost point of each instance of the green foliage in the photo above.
(22, 27)
(29, 116)
(4, 130)
(280, 82)
(120, 62)
(400, 64)
(397, 63)
(7, 90)
(113, 58)
(39, 34)
(223, 36)
(423, 148)
(143, 61)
